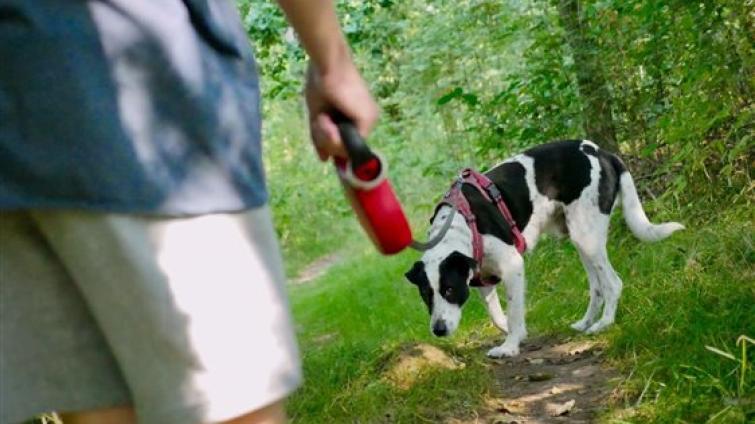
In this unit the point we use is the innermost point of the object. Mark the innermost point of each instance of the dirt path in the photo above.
(317, 268)
(551, 381)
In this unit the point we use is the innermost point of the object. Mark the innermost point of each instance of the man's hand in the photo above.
(344, 90)
(333, 82)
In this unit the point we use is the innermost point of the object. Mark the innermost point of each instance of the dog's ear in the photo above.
(415, 274)
(460, 258)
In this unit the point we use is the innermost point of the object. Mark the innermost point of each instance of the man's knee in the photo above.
(271, 414)
(119, 415)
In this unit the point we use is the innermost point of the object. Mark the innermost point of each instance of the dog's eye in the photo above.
(448, 292)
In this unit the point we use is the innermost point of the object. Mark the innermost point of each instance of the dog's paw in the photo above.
(598, 327)
(581, 325)
(503, 351)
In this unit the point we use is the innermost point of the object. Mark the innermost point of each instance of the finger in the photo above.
(332, 143)
(368, 119)
(318, 139)
(322, 154)
(323, 132)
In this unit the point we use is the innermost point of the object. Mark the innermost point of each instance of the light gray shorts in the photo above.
(185, 319)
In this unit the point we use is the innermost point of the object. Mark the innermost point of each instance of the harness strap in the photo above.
(456, 198)
(490, 192)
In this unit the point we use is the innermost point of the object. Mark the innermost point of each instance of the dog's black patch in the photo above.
(454, 273)
(562, 171)
(611, 169)
(488, 217)
(418, 277)
(608, 185)
(511, 182)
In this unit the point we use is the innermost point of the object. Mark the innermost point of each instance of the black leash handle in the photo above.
(357, 149)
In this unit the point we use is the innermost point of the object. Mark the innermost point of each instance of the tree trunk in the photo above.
(596, 100)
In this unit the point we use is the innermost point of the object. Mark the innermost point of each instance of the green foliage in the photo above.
(280, 60)
(681, 76)
(466, 83)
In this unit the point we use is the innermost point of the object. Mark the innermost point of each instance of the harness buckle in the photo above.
(494, 192)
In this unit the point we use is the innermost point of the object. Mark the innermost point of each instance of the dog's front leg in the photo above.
(493, 305)
(513, 278)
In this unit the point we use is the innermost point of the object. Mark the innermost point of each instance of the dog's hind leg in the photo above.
(588, 230)
(513, 278)
(612, 286)
(489, 295)
(596, 295)
(604, 282)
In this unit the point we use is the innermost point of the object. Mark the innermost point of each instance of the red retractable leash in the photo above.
(364, 178)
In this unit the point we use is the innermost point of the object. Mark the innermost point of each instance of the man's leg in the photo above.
(193, 308)
(273, 414)
(122, 415)
(53, 356)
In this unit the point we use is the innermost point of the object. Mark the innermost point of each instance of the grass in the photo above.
(681, 295)
(351, 322)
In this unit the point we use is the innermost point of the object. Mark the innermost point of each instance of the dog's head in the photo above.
(443, 282)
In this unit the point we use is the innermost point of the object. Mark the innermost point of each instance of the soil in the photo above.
(551, 381)
(413, 360)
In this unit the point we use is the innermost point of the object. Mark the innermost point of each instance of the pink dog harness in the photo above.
(490, 192)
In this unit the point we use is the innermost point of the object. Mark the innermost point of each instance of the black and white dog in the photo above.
(564, 188)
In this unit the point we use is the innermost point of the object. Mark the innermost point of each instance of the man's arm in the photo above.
(316, 23)
(333, 82)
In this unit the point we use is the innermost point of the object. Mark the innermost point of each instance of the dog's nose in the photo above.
(440, 329)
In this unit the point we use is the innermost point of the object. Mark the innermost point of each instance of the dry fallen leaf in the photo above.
(513, 407)
(558, 409)
(504, 419)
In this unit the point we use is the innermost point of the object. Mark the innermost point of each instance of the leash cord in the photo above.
(423, 246)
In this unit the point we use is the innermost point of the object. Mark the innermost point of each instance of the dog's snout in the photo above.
(440, 329)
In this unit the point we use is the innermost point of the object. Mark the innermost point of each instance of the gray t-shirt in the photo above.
(134, 106)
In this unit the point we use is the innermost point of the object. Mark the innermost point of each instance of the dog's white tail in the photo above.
(635, 217)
